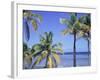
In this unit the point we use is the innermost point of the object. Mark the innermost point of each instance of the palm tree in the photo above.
(85, 30)
(45, 50)
(72, 27)
(27, 56)
(30, 18)
(85, 22)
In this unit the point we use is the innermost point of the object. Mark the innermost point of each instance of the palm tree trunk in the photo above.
(74, 49)
(88, 43)
(88, 46)
(46, 65)
(88, 49)
(88, 52)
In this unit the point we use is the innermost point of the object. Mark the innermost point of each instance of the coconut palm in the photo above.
(86, 28)
(72, 27)
(27, 56)
(29, 18)
(47, 51)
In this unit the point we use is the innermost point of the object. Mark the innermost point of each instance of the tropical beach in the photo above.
(56, 39)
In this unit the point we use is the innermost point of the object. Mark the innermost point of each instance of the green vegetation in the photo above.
(86, 29)
(27, 56)
(77, 27)
(72, 28)
(46, 50)
(43, 50)
(30, 18)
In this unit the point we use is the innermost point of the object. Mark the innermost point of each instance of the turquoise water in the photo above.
(66, 60)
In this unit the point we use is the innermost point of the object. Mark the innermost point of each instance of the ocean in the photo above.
(66, 60)
(82, 59)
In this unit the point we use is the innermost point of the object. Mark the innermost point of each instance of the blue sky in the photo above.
(51, 22)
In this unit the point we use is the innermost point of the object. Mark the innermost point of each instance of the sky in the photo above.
(51, 22)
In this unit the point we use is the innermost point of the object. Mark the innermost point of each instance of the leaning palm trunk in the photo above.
(46, 50)
(46, 65)
(74, 49)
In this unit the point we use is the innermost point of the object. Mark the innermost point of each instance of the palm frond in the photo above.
(66, 31)
(35, 24)
(36, 53)
(40, 58)
(85, 28)
(56, 57)
(37, 16)
(57, 45)
(42, 40)
(35, 19)
(80, 34)
(73, 17)
(85, 19)
(66, 22)
(50, 37)
(46, 36)
(37, 49)
(57, 49)
(76, 25)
